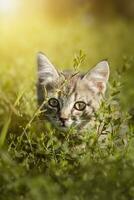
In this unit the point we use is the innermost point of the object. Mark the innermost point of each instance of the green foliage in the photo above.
(38, 162)
(78, 60)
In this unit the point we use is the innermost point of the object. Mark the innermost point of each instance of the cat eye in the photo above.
(53, 102)
(80, 105)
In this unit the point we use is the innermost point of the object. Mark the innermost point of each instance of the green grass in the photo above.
(38, 162)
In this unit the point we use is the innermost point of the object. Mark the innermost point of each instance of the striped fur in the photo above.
(69, 88)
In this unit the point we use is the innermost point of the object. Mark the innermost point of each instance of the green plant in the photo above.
(38, 162)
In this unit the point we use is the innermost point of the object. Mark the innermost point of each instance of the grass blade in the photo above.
(4, 131)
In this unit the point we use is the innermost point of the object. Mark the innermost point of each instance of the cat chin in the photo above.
(61, 128)
(58, 126)
(68, 126)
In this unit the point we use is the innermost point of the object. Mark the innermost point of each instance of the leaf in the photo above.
(4, 131)
(115, 93)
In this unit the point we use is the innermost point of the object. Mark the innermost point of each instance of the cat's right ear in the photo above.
(98, 77)
(47, 74)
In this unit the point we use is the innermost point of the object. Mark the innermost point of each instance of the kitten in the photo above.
(70, 100)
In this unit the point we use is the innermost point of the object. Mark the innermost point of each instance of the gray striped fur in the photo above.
(70, 88)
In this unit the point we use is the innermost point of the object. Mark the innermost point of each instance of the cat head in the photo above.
(70, 99)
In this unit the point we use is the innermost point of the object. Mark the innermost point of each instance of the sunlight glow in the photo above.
(7, 6)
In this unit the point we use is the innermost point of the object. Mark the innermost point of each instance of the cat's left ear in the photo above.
(97, 77)
(47, 73)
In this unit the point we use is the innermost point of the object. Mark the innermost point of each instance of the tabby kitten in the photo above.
(68, 99)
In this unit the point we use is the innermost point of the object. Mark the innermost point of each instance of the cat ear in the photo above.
(47, 74)
(98, 77)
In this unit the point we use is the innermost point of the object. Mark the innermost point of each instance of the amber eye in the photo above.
(53, 102)
(80, 105)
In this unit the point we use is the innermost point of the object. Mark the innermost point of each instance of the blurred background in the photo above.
(100, 28)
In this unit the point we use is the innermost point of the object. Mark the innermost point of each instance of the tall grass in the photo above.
(38, 162)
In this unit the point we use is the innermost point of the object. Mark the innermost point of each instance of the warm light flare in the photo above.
(7, 6)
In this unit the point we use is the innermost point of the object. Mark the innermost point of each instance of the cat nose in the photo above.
(63, 120)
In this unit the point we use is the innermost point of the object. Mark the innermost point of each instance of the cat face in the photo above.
(70, 100)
